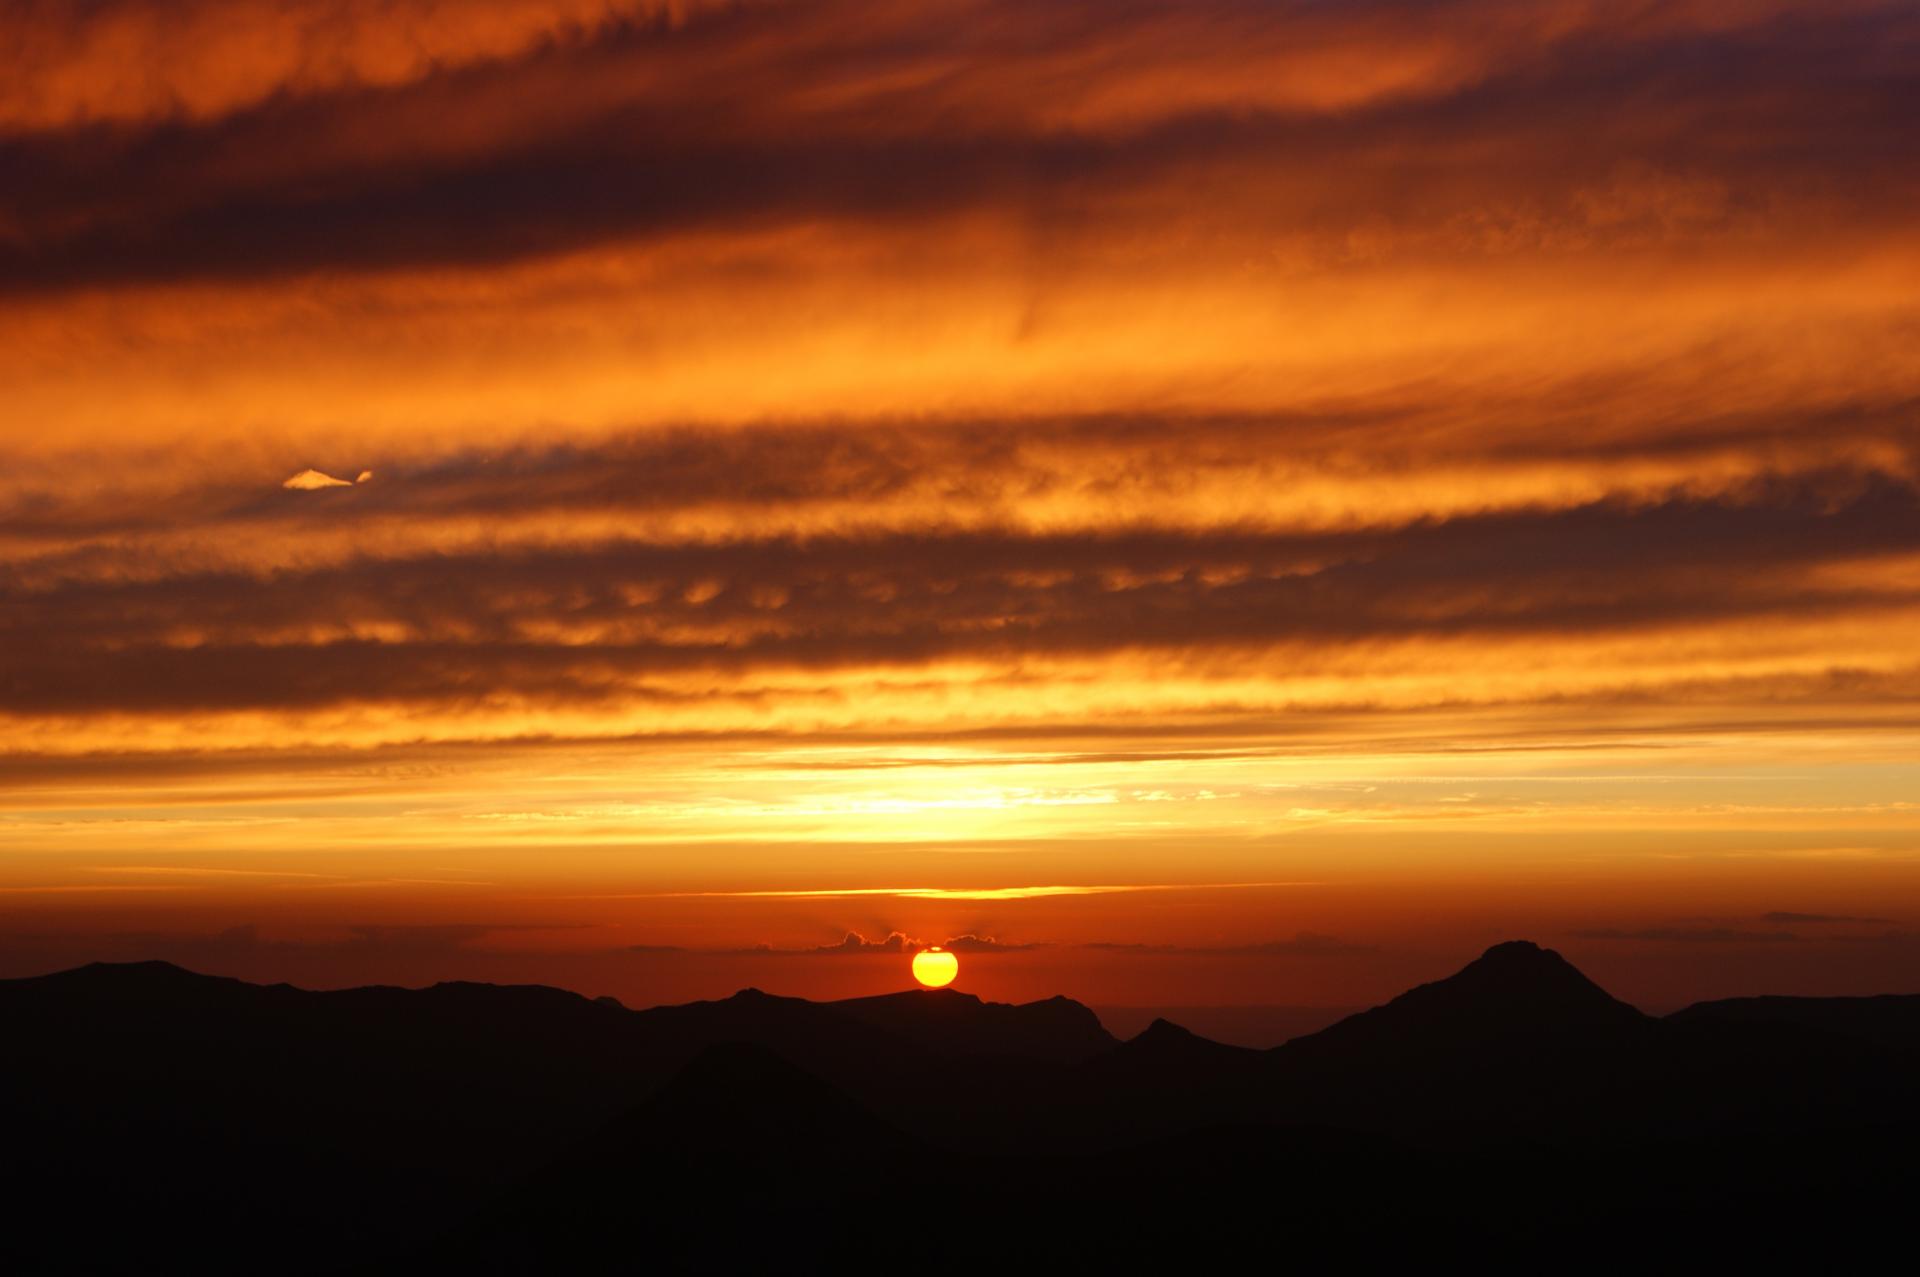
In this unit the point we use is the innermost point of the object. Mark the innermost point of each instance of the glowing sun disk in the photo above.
(935, 967)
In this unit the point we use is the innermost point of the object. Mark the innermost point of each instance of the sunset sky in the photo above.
(1189, 501)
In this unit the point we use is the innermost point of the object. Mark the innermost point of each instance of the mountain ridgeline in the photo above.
(1513, 1114)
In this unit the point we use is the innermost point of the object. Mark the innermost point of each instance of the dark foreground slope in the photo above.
(1513, 1114)
(1890, 1020)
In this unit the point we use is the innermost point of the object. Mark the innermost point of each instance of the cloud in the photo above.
(1689, 935)
(640, 132)
(313, 480)
(853, 943)
(894, 942)
(1309, 944)
(214, 58)
(429, 938)
(383, 941)
(987, 944)
(623, 620)
(778, 479)
(205, 58)
(1304, 944)
(1020, 381)
(1785, 919)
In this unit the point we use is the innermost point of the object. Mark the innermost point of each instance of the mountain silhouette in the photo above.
(1514, 992)
(1058, 1029)
(1165, 1040)
(738, 1135)
(1517, 1044)
(1887, 1020)
(1163, 1054)
(157, 1118)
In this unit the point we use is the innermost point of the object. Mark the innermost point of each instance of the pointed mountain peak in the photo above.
(1167, 1054)
(1162, 1031)
(1521, 970)
(1514, 956)
(751, 996)
(1516, 950)
(1513, 990)
(1520, 955)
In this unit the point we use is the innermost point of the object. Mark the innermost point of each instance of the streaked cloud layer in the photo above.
(1469, 448)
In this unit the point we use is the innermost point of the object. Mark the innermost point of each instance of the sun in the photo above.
(935, 967)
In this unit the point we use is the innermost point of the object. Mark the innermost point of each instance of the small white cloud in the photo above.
(363, 476)
(311, 480)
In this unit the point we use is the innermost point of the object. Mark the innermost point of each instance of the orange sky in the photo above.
(1217, 502)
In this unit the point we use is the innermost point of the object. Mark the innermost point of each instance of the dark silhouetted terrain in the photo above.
(1255, 1026)
(1512, 1115)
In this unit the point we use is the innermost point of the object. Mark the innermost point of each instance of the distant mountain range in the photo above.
(1239, 1025)
(1513, 1114)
